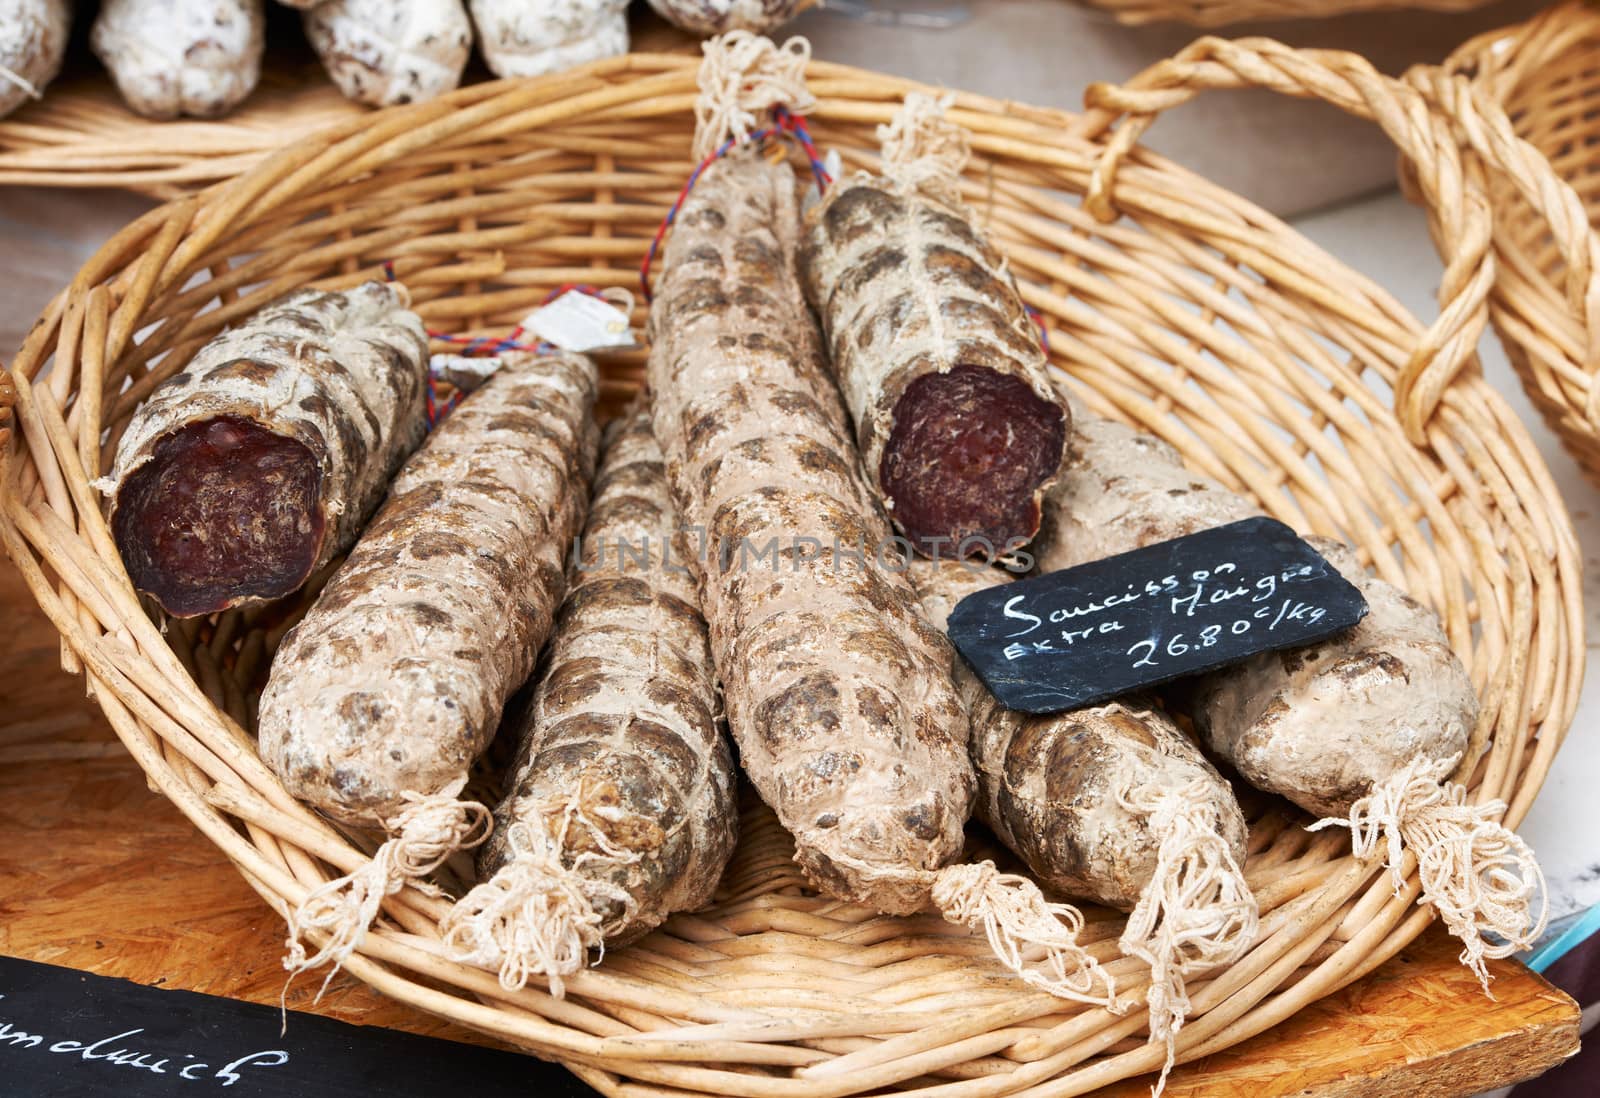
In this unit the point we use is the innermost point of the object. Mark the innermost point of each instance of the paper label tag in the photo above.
(465, 372)
(581, 322)
(1084, 635)
(813, 194)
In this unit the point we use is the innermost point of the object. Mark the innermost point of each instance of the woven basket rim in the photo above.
(1546, 308)
(1477, 482)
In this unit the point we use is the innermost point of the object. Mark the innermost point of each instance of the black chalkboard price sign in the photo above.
(1083, 635)
(69, 1034)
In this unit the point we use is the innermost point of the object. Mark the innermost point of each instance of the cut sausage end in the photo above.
(225, 510)
(969, 452)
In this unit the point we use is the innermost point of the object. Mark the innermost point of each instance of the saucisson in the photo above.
(394, 681)
(1111, 803)
(177, 57)
(380, 699)
(1361, 729)
(535, 37)
(708, 17)
(958, 422)
(387, 52)
(259, 462)
(620, 808)
(33, 39)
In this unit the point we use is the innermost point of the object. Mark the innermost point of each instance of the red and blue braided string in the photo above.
(784, 124)
(486, 346)
(787, 125)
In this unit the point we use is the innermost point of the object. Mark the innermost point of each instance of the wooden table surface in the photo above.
(101, 874)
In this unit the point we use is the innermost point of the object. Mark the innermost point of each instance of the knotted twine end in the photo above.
(1014, 914)
(1478, 874)
(925, 152)
(535, 916)
(742, 77)
(1196, 913)
(424, 834)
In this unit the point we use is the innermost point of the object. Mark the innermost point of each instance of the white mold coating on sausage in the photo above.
(708, 17)
(623, 762)
(33, 39)
(181, 57)
(1064, 790)
(388, 52)
(838, 691)
(536, 37)
(394, 681)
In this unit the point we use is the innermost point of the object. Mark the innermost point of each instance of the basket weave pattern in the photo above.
(1194, 315)
(81, 135)
(1545, 74)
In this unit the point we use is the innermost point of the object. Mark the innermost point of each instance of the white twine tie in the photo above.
(742, 77)
(1478, 874)
(925, 152)
(1195, 914)
(1014, 914)
(27, 86)
(424, 834)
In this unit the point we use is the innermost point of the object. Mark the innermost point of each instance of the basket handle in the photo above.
(1499, 58)
(1482, 125)
(1437, 122)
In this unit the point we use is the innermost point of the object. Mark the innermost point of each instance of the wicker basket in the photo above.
(1263, 359)
(81, 135)
(1546, 75)
(1223, 13)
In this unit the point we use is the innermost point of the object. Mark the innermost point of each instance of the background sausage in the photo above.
(386, 52)
(33, 39)
(173, 57)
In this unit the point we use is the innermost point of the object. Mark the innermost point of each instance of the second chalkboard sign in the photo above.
(68, 1034)
(1083, 635)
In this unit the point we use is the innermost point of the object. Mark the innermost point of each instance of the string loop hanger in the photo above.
(923, 151)
(743, 79)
